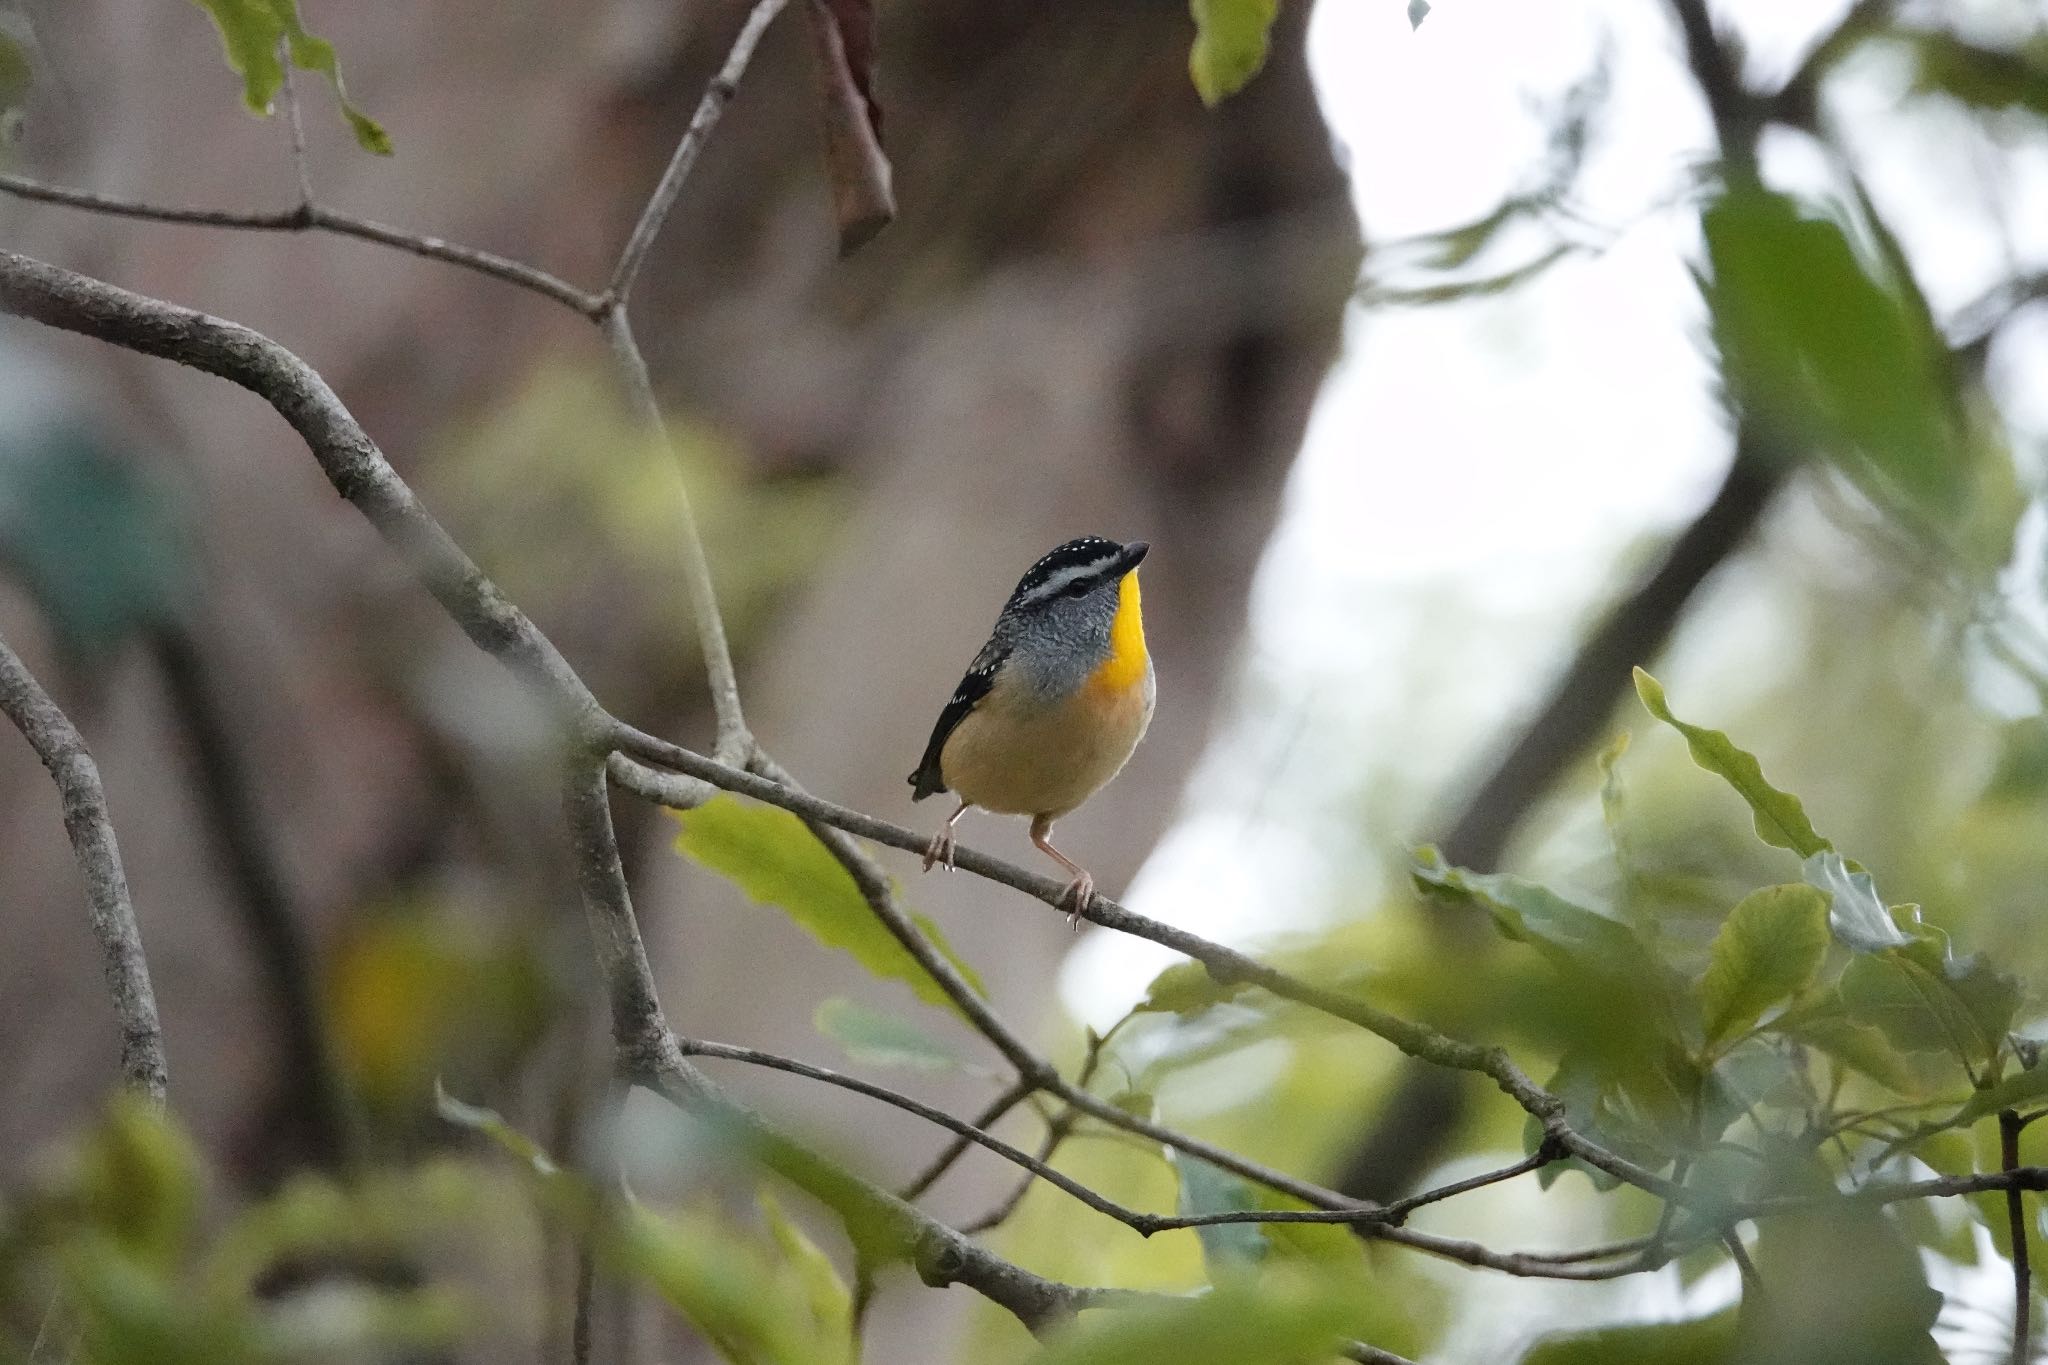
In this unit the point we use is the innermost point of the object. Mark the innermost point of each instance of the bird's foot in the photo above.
(940, 849)
(1078, 896)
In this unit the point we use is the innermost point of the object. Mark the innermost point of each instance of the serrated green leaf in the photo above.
(1694, 1341)
(1273, 1320)
(252, 33)
(1570, 935)
(1231, 37)
(769, 855)
(1855, 914)
(1768, 948)
(868, 1035)
(1186, 988)
(1227, 1248)
(1780, 818)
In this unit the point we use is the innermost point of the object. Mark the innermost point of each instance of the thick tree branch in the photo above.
(62, 749)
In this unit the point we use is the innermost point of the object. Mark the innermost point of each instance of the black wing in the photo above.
(981, 675)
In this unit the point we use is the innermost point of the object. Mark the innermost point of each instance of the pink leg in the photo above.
(1081, 891)
(940, 849)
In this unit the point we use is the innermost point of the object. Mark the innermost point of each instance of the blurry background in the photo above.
(1398, 359)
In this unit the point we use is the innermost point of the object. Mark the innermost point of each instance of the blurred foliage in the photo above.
(562, 451)
(101, 546)
(770, 855)
(1230, 44)
(259, 35)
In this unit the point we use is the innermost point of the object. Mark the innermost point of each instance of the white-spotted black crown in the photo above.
(1066, 563)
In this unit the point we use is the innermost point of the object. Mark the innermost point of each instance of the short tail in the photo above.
(925, 781)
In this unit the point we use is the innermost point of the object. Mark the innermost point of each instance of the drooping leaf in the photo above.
(1855, 914)
(1186, 988)
(843, 43)
(1780, 818)
(878, 1039)
(1227, 1248)
(768, 854)
(1570, 935)
(252, 32)
(2020, 1090)
(1689, 1341)
(1816, 343)
(1768, 948)
(1276, 1320)
(1231, 37)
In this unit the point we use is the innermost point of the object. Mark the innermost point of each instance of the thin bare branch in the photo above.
(998, 1108)
(710, 108)
(316, 218)
(296, 121)
(733, 743)
(62, 749)
(2010, 1126)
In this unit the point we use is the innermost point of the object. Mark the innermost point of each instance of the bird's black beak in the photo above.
(1132, 553)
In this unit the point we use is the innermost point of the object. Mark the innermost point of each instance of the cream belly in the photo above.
(1018, 754)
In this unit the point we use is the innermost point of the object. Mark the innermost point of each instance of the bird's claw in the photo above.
(1079, 895)
(940, 850)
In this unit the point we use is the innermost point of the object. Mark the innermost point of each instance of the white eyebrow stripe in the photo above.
(1064, 579)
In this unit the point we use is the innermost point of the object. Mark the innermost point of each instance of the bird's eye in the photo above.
(1078, 588)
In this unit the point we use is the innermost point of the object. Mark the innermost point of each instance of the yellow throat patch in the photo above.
(1127, 658)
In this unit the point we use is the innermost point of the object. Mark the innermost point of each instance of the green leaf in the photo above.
(1230, 44)
(1927, 1001)
(1768, 948)
(1204, 1188)
(878, 1039)
(1780, 819)
(1855, 914)
(1271, 1320)
(138, 1179)
(1858, 1046)
(1570, 935)
(1814, 342)
(1693, 1341)
(768, 854)
(1871, 1303)
(1981, 77)
(825, 1293)
(252, 31)
(2017, 1091)
(1186, 988)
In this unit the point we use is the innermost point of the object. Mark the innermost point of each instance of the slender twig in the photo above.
(2009, 1127)
(1372, 1355)
(710, 108)
(298, 126)
(1752, 1283)
(316, 218)
(998, 1108)
(733, 743)
(62, 749)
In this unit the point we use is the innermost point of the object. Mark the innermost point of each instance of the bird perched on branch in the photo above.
(1054, 704)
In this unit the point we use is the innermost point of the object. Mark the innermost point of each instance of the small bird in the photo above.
(1053, 706)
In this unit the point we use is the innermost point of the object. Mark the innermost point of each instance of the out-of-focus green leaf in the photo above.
(1272, 1320)
(1613, 807)
(1813, 342)
(1227, 1248)
(492, 1125)
(1780, 818)
(868, 1035)
(1230, 44)
(769, 854)
(138, 1176)
(1870, 1303)
(1186, 988)
(101, 547)
(1855, 914)
(1768, 948)
(1691, 1341)
(1982, 77)
(830, 1301)
(1570, 935)
(252, 32)
(1927, 1001)
(1599, 1107)
(2017, 1091)
(1857, 1045)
